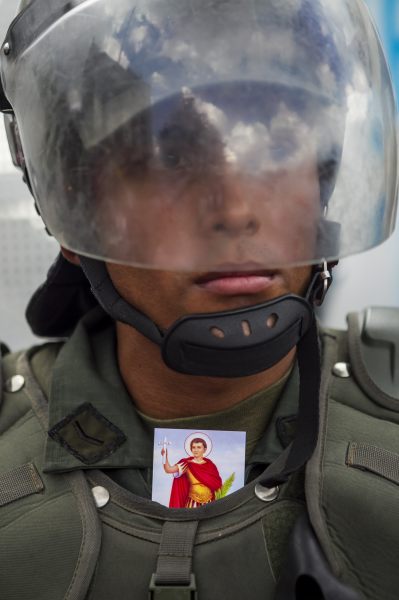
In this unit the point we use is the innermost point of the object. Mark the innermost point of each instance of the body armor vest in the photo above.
(60, 541)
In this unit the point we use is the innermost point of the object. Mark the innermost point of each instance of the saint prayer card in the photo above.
(192, 468)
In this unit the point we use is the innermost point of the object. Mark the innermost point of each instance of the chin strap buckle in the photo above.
(320, 284)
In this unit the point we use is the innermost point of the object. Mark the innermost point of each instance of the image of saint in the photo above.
(196, 479)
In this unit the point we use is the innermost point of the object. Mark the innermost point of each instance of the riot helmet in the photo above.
(139, 126)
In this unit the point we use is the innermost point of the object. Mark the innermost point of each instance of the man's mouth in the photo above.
(237, 282)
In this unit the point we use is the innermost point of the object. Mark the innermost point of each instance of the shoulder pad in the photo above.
(374, 353)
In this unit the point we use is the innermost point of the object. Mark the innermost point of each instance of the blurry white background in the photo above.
(371, 278)
(26, 251)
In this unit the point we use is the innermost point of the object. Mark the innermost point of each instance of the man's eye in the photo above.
(173, 161)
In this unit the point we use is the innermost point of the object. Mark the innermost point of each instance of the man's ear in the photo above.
(70, 256)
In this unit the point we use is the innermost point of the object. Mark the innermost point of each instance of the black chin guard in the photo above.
(239, 342)
(233, 343)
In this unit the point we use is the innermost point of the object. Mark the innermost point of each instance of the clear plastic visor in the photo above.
(143, 151)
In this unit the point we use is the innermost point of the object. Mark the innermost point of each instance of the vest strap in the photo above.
(174, 578)
(375, 460)
(300, 450)
(19, 483)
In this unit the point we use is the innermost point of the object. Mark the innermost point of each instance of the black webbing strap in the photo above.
(299, 452)
(174, 567)
(113, 304)
(176, 553)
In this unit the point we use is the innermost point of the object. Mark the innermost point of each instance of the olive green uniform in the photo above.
(56, 543)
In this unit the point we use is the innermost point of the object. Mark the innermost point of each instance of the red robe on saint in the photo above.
(206, 473)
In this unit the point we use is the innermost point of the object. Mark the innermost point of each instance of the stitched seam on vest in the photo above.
(202, 537)
(135, 504)
(375, 460)
(130, 530)
(71, 592)
(259, 515)
(33, 391)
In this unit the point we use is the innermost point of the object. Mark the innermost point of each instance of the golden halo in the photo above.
(203, 436)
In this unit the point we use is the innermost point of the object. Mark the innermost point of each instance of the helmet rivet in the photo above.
(6, 48)
(342, 370)
(266, 494)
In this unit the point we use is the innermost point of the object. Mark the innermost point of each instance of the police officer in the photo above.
(203, 166)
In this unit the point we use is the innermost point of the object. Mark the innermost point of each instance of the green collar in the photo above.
(86, 372)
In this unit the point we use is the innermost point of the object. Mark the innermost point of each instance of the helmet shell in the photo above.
(206, 134)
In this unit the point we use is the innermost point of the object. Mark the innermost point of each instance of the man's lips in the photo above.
(234, 283)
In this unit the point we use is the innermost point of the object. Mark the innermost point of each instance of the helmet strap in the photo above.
(234, 343)
(296, 455)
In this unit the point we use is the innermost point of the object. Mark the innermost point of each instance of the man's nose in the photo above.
(231, 210)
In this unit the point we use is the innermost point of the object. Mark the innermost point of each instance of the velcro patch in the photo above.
(87, 434)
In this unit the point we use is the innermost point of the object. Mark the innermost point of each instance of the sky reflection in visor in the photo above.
(218, 185)
(188, 135)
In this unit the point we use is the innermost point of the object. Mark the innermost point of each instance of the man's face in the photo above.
(197, 449)
(217, 222)
(235, 194)
(165, 296)
(242, 233)
(213, 214)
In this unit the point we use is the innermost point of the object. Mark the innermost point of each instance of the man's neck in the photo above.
(161, 393)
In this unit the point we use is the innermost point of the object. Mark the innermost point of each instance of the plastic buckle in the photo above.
(172, 592)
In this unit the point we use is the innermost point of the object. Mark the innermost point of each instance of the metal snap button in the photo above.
(342, 369)
(101, 496)
(266, 494)
(14, 384)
